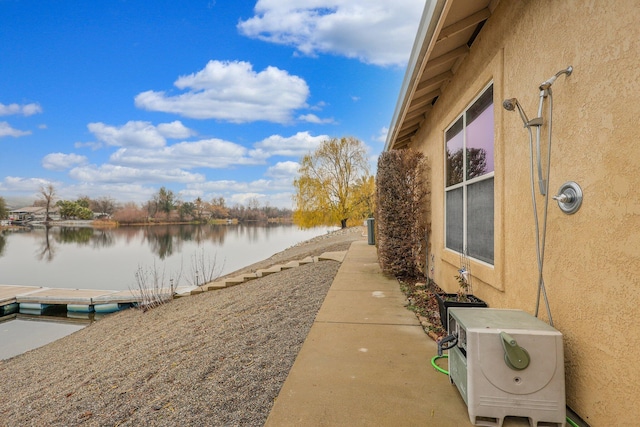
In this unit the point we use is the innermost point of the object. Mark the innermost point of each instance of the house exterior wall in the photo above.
(592, 258)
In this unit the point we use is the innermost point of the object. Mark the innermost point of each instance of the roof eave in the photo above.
(431, 21)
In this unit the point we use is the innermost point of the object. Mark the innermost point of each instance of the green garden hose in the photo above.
(438, 368)
(444, 371)
(570, 421)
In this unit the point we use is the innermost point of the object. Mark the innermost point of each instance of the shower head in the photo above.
(547, 83)
(511, 104)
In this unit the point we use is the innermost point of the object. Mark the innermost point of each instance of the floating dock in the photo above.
(37, 300)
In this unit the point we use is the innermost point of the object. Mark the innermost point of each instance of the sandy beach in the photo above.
(217, 358)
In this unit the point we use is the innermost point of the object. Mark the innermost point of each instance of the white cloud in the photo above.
(312, 118)
(121, 174)
(175, 130)
(283, 170)
(93, 145)
(279, 200)
(243, 198)
(61, 161)
(294, 146)
(266, 190)
(382, 136)
(240, 193)
(216, 153)
(126, 192)
(319, 106)
(232, 91)
(228, 186)
(139, 133)
(208, 153)
(25, 110)
(374, 31)
(7, 130)
(22, 185)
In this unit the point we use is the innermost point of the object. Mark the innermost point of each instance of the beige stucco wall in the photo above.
(592, 260)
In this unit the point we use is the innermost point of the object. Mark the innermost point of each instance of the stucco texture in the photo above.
(592, 258)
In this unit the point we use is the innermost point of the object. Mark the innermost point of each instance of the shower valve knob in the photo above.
(569, 197)
(563, 198)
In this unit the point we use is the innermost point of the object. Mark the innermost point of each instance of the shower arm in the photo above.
(542, 182)
(545, 91)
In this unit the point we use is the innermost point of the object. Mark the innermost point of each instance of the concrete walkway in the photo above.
(366, 360)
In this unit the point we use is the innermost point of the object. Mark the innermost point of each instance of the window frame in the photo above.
(466, 182)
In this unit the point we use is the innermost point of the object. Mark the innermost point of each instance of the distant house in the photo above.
(33, 214)
(469, 61)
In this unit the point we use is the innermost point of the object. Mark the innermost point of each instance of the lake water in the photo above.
(88, 258)
(108, 259)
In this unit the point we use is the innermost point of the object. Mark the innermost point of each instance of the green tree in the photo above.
(84, 201)
(73, 210)
(187, 210)
(164, 201)
(326, 187)
(3, 208)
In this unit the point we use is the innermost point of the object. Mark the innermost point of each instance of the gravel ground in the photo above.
(218, 358)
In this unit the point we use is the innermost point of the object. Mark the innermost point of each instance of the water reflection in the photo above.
(163, 240)
(47, 249)
(91, 258)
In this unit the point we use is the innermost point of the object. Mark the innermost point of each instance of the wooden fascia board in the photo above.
(423, 100)
(414, 121)
(449, 56)
(434, 81)
(409, 130)
(463, 24)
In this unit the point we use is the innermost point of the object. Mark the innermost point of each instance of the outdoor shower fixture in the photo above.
(547, 83)
(569, 196)
(512, 103)
(545, 92)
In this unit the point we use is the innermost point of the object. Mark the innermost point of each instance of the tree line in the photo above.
(164, 206)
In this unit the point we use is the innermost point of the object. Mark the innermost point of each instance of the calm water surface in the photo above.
(88, 258)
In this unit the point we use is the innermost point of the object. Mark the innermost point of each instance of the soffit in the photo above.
(443, 41)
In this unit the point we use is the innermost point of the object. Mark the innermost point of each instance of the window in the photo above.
(469, 181)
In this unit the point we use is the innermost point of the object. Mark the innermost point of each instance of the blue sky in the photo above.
(207, 98)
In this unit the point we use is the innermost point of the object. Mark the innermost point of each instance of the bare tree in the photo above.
(48, 196)
(104, 206)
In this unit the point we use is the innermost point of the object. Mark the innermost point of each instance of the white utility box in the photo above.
(507, 363)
